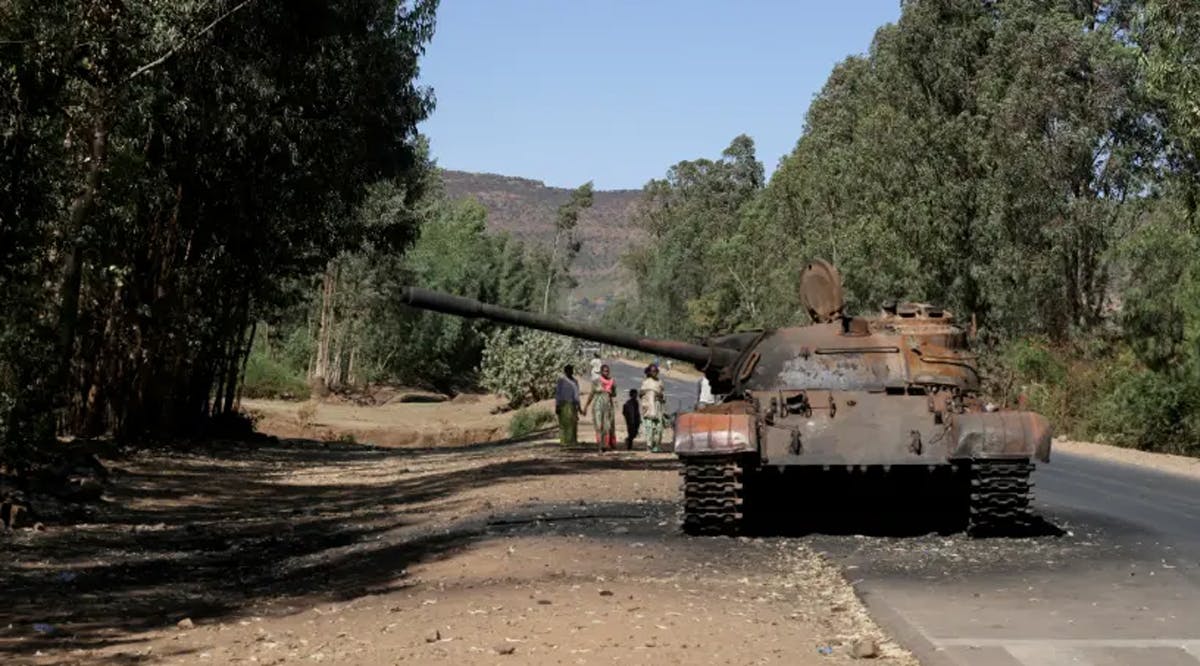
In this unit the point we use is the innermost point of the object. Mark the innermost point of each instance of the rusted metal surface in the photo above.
(1001, 435)
(821, 291)
(703, 356)
(704, 433)
(849, 428)
(823, 356)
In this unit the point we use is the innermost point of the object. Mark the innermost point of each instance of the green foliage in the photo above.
(566, 244)
(1148, 410)
(1110, 396)
(453, 253)
(1034, 361)
(371, 335)
(1169, 31)
(689, 275)
(1160, 302)
(528, 421)
(268, 378)
(294, 352)
(522, 365)
(170, 170)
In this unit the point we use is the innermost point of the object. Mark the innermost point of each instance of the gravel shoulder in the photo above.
(297, 550)
(1163, 462)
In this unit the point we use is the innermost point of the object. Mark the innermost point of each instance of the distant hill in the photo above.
(525, 208)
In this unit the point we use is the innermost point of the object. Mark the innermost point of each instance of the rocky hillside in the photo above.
(525, 208)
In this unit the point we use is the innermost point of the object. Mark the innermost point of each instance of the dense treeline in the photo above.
(1033, 163)
(351, 328)
(173, 171)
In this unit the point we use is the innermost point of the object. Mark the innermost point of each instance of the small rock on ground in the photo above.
(864, 649)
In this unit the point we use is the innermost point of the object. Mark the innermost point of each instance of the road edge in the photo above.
(907, 634)
(1167, 463)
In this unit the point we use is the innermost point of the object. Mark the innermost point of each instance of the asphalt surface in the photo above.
(1115, 580)
(680, 395)
(1119, 583)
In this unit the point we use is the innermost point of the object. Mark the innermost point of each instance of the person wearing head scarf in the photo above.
(566, 405)
(654, 402)
(604, 412)
(594, 366)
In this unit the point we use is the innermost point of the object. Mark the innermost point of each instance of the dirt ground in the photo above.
(300, 551)
(1163, 462)
(466, 418)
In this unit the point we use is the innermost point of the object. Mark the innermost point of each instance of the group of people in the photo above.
(646, 406)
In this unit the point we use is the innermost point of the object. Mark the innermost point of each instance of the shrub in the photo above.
(1146, 409)
(1106, 394)
(1034, 361)
(522, 365)
(268, 378)
(1033, 370)
(526, 421)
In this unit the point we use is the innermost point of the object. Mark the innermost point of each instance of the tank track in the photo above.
(712, 496)
(999, 498)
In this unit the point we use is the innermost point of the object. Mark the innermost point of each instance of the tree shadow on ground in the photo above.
(222, 528)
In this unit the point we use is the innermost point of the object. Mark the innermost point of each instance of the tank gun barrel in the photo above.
(703, 356)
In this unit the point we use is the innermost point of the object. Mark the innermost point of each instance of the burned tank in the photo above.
(897, 394)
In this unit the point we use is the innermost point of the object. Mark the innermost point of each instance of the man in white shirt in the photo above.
(706, 396)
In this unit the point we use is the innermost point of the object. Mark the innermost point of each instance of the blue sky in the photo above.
(616, 91)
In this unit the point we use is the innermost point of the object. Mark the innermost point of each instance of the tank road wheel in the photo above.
(999, 499)
(712, 495)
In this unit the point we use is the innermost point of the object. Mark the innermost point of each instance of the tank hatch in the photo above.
(821, 291)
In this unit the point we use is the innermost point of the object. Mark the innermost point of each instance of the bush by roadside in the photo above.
(1103, 393)
(522, 365)
(269, 378)
(527, 421)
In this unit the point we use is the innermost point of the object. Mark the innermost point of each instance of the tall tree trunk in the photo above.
(550, 274)
(81, 208)
(246, 361)
(320, 374)
(237, 354)
(335, 368)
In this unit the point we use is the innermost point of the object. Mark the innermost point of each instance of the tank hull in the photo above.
(751, 463)
(854, 428)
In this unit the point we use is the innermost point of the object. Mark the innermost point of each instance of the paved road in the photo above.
(681, 395)
(1120, 586)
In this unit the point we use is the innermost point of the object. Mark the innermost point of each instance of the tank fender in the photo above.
(1001, 435)
(704, 434)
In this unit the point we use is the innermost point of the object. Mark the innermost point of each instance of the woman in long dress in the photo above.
(566, 405)
(604, 410)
